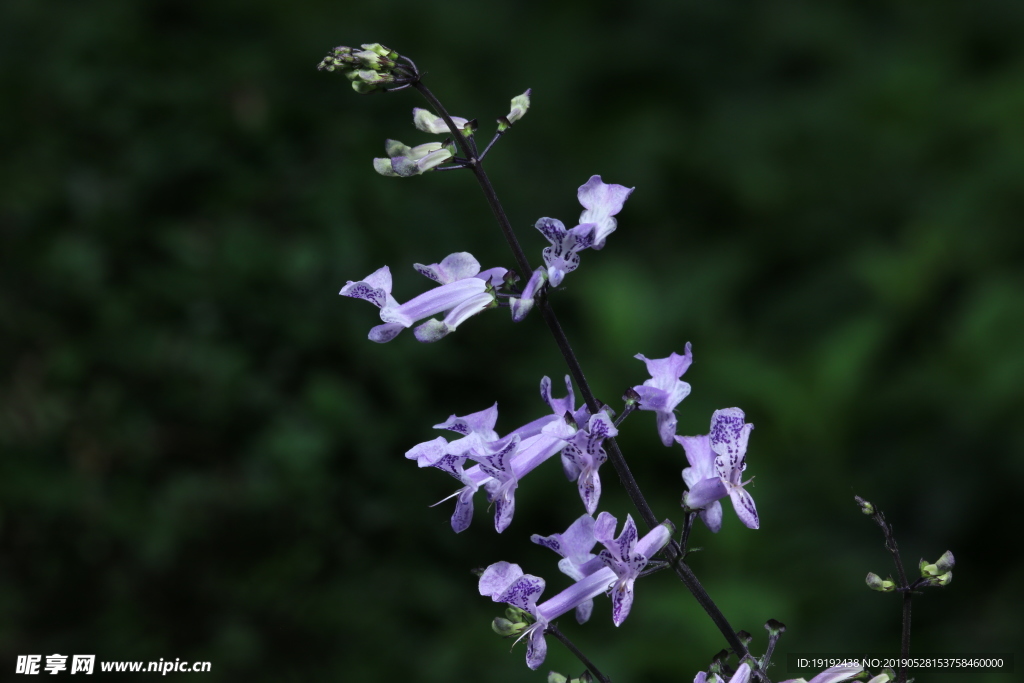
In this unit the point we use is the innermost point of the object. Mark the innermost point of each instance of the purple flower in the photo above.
(524, 303)
(466, 292)
(664, 390)
(506, 582)
(833, 675)
(742, 675)
(501, 462)
(623, 556)
(600, 203)
(584, 454)
(577, 561)
(717, 461)
(561, 257)
(406, 161)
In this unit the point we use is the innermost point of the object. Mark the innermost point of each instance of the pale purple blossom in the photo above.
(741, 675)
(523, 304)
(717, 461)
(506, 582)
(577, 561)
(500, 461)
(406, 161)
(562, 256)
(664, 390)
(584, 454)
(601, 202)
(833, 675)
(466, 293)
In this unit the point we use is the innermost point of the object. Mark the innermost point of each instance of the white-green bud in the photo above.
(520, 104)
(877, 583)
(941, 566)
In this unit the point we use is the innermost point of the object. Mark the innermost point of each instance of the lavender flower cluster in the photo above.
(481, 458)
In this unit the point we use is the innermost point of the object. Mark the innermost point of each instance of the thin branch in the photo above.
(672, 551)
(904, 586)
(553, 630)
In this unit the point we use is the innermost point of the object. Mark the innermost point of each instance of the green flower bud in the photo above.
(520, 103)
(876, 583)
(866, 507)
(940, 580)
(941, 566)
(556, 678)
(516, 614)
(506, 629)
(775, 627)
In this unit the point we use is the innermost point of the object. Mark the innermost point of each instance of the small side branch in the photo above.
(903, 587)
(553, 630)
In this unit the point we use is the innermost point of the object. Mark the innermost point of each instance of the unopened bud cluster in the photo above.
(877, 583)
(940, 573)
(370, 68)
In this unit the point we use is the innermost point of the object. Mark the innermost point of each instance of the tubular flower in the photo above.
(664, 390)
(717, 461)
(406, 161)
(577, 561)
(561, 257)
(524, 303)
(601, 202)
(467, 293)
(584, 454)
(506, 582)
(500, 461)
(832, 675)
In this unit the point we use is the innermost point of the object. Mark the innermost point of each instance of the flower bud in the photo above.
(774, 627)
(506, 628)
(370, 69)
(876, 583)
(520, 103)
(941, 566)
(940, 580)
(866, 507)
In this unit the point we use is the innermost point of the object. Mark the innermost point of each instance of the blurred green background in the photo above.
(202, 454)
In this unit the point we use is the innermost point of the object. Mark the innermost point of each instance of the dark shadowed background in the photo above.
(202, 454)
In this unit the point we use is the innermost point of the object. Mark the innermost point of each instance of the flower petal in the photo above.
(744, 506)
(705, 492)
(457, 266)
(430, 123)
(601, 201)
(712, 517)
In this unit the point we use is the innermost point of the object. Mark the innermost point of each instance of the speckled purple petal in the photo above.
(523, 592)
(744, 505)
(552, 229)
(622, 601)
(385, 333)
(375, 287)
(729, 435)
(453, 267)
(536, 648)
